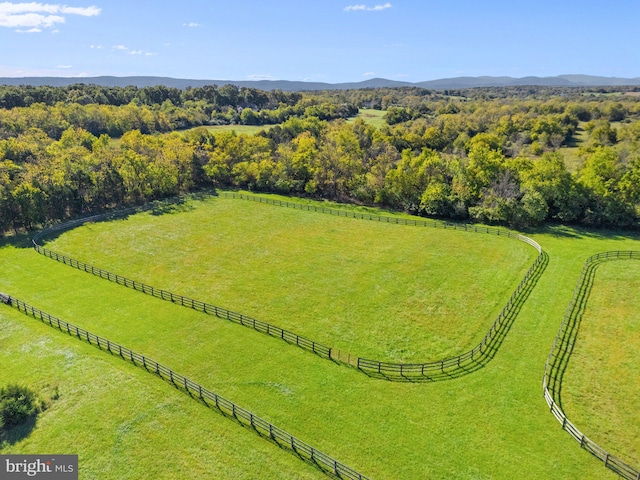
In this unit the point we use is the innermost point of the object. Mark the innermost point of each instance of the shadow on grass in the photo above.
(485, 352)
(18, 240)
(17, 433)
(568, 336)
(167, 206)
(576, 232)
(567, 339)
(562, 350)
(332, 468)
(172, 206)
(273, 434)
(274, 441)
(446, 369)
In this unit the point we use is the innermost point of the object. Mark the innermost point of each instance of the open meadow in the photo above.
(376, 290)
(371, 116)
(601, 384)
(246, 129)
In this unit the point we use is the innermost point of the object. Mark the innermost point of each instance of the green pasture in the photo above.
(367, 288)
(580, 139)
(384, 290)
(122, 422)
(371, 116)
(601, 394)
(570, 152)
(246, 129)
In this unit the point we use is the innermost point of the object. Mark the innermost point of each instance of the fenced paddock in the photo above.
(560, 354)
(442, 369)
(609, 460)
(305, 451)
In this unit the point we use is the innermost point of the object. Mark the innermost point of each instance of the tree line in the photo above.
(475, 159)
(84, 94)
(117, 110)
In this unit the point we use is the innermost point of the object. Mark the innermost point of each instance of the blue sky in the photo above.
(328, 41)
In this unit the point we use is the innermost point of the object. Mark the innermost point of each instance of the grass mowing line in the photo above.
(560, 355)
(447, 368)
(267, 430)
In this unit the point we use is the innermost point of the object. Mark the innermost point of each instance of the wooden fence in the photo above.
(434, 370)
(554, 368)
(560, 354)
(240, 319)
(306, 452)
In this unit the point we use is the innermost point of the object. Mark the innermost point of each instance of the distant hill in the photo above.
(291, 86)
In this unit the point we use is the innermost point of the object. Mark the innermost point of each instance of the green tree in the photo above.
(407, 183)
(17, 404)
(484, 167)
(601, 133)
(29, 205)
(249, 117)
(548, 180)
(296, 164)
(601, 176)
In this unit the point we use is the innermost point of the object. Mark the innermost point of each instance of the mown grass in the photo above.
(367, 288)
(246, 129)
(371, 116)
(570, 152)
(602, 392)
(490, 424)
(121, 421)
(580, 139)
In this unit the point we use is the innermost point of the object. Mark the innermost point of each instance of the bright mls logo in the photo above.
(50, 467)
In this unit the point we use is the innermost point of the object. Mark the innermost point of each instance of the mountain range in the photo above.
(294, 86)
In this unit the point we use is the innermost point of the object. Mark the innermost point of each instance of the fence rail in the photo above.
(439, 369)
(448, 366)
(560, 354)
(265, 429)
(238, 318)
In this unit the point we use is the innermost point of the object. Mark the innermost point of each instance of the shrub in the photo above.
(17, 404)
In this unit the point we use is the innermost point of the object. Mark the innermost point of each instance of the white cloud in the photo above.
(33, 20)
(36, 16)
(377, 8)
(91, 11)
(259, 76)
(13, 8)
(368, 74)
(97, 47)
(192, 25)
(365, 8)
(31, 30)
(124, 48)
(63, 66)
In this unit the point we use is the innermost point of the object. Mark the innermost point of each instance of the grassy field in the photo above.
(602, 376)
(366, 288)
(570, 152)
(246, 129)
(580, 139)
(122, 422)
(491, 424)
(371, 116)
